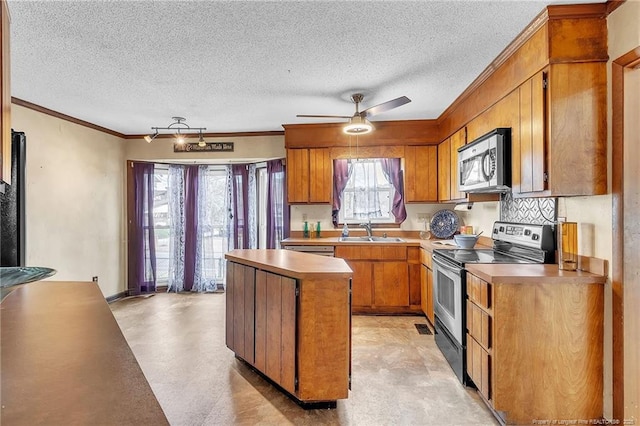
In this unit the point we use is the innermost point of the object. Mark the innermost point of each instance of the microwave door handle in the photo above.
(485, 175)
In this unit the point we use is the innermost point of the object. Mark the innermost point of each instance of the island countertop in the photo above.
(292, 263)
(65, 360)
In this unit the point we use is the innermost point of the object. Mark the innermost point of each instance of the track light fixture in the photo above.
(180, 129)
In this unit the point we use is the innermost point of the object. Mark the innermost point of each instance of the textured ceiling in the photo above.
(236, 66)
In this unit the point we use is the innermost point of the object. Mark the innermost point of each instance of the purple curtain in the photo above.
(341, 173)
(191, 224)
(240, 210)
(391, 167)
(144, 256)
(277, 206)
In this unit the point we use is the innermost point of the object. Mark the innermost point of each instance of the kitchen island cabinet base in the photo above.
(307, 405)
(289, 317)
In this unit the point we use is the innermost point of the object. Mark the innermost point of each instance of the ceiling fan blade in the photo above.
(323, 116)
(385, 106)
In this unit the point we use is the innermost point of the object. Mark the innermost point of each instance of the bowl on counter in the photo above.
(465, 241)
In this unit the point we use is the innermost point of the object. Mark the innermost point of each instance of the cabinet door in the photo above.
(390, 284)
(240, 310)
(276, 328)
(297, 175)
(444, 172)
(458, 140)
(532, 136)
(479, 367)
(426, 280)
(414, 284)
(361, 288)
(320, 175)
(421, 173)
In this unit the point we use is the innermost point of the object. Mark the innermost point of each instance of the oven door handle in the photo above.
(447, 266)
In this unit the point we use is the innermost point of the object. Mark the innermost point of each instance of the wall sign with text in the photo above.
(209, 147)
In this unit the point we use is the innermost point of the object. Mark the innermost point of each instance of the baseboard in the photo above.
(117, 296)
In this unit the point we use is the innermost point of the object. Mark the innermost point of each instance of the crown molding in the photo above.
(65, 117)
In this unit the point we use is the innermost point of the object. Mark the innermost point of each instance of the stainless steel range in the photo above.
(512, 243)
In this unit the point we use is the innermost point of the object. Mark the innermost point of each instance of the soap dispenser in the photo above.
(345, 230)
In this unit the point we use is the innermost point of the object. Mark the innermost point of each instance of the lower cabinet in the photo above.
(426, 285)
(535, 349)
(296, 332)
(386, 279)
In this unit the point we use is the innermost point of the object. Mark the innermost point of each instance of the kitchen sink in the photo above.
(371, 240)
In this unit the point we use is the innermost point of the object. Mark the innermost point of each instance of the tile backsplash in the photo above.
(541, 211)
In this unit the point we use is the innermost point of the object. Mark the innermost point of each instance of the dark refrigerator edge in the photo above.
(12, 206)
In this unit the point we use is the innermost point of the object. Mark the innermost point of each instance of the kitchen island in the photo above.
(288, 315)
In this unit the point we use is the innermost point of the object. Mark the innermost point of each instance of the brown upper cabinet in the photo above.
(421, 174)
(309, 175)
(5, 97)
(448, 167)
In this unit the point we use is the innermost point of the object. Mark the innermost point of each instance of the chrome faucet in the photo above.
(367, 226)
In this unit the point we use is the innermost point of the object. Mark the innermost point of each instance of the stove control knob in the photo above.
(535, 237)
(502, 229)
(527, 232)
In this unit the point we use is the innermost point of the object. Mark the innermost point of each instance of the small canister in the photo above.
(568, 246)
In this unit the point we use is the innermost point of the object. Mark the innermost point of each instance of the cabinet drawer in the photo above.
(479, 367)
(479, 324)
(371, 252)
(479, 291)
(425, 258)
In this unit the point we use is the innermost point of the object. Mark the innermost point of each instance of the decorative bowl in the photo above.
(465, 241)
(13, 276)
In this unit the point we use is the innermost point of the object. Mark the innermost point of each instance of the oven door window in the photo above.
(445, 293)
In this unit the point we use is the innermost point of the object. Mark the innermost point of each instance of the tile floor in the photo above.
(399, 376)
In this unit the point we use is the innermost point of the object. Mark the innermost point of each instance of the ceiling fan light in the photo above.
(358, 126)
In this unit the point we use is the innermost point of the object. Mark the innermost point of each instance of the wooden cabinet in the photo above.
(5, 96)
(426, 285)
(240, 310)
(293, 329)
(534, 349)
(385, 277)
(444, 170)
(275, 331)
(563, 131)
(413, 262)
(309, 175)
(530, 171)
(421, 174)
(448, 167)
(390, 284)
(458, 140)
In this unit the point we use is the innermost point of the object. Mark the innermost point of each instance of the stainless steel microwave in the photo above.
(484, 165)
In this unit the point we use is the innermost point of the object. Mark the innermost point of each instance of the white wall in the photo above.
(74, 200)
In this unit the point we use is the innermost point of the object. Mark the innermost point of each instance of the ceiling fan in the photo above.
(358, 122)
